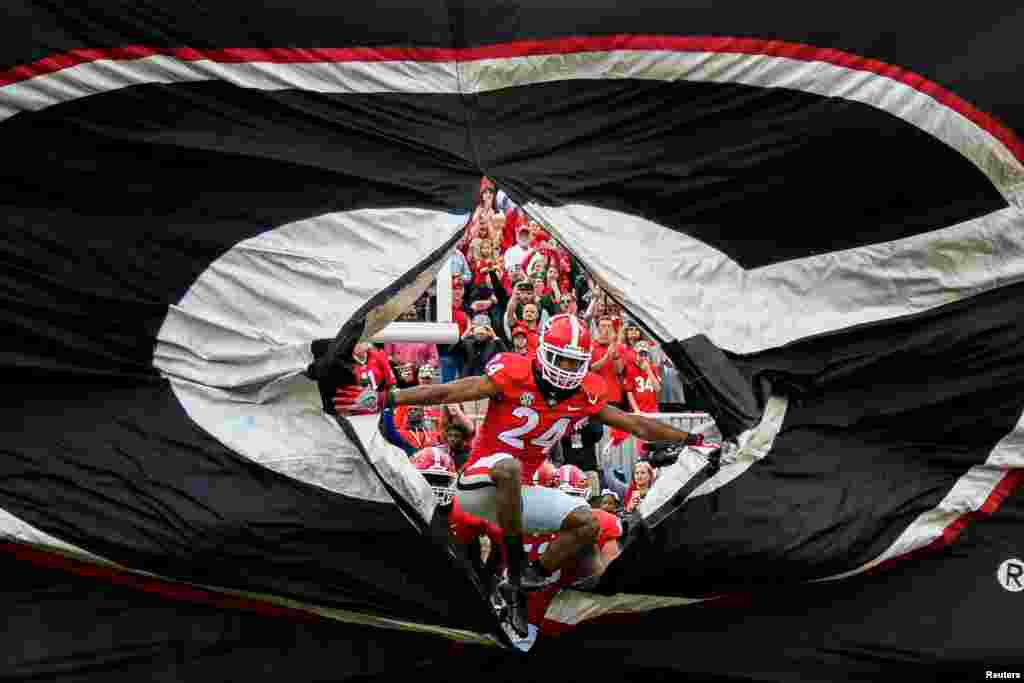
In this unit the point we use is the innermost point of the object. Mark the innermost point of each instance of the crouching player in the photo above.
(533, 402)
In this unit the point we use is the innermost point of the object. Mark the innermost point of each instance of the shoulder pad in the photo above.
(506, 369)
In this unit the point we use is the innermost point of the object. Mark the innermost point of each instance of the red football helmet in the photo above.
(573, 481)
(438, 468)
(564, 338)
(546, 475)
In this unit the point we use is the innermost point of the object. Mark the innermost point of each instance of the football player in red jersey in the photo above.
(533, 403)
(438, 468)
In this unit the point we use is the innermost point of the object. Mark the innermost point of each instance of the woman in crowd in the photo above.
(643, 477)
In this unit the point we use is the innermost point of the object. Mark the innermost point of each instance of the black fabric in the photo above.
(66, 627)
(940, 616)
(759, 174)
(882, 421)
(716, 385)
(122, 472)
(110, 219)
(112, 205)
(985, 74)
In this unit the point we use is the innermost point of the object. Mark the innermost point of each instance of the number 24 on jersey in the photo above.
(516, 437)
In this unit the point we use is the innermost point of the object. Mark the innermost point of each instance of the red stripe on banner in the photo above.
(567, 45)
(1006, 486)
(168, 589)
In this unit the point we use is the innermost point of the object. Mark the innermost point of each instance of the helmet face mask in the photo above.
(564, 352)
(443, 486)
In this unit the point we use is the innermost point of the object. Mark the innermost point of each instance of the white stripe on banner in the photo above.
(737, 458)
(680, 287)
(235, 347)
(574, 607)
(894, 97)
(91, 78)
(919, 109)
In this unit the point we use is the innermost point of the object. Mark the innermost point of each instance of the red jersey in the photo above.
(464, 527)
(611, 527)
(611, 378)
(642, 387)
(431, 414)
(376, 371)
(521, 422)
(420, 440)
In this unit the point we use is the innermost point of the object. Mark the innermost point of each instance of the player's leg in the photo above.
(574, 543)
(547, 510)
(507, 475)
(491, 489)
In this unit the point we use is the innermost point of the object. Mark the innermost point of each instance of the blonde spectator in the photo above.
(643, 476)
(473, 250)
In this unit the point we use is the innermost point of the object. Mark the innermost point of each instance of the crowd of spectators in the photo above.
(509, 275)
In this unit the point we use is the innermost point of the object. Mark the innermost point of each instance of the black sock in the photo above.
(516, 558)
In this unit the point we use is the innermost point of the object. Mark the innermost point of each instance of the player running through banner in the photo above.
(532, 405)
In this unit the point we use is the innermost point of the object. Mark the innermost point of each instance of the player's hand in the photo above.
(357, 400)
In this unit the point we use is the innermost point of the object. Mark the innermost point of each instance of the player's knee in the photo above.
(506, 471)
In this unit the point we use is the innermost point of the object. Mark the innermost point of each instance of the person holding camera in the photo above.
(480, 344)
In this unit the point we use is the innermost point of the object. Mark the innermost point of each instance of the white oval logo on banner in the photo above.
(1011, 575)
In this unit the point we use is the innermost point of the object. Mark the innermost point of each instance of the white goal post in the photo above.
(444, 331)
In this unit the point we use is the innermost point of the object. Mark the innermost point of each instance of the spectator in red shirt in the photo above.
(516, 254)
(606, 359)
(450, 358)
(488, 262)
(426, 423)
(642, 383)
(372, 367)
(524, 340)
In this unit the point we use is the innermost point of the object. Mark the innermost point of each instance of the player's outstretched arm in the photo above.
(457, 391)
(643, 427)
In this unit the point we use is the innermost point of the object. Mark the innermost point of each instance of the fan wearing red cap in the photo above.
(532, 405)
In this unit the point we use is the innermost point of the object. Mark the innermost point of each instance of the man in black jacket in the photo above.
(479, 344)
